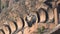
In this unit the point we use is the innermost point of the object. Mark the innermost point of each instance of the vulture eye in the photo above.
(30, 19)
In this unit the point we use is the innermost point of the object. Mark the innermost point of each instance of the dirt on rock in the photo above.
(13, 10)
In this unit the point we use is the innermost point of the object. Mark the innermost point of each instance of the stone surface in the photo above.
(18, 10)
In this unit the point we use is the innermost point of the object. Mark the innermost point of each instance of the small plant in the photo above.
(41, 30)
